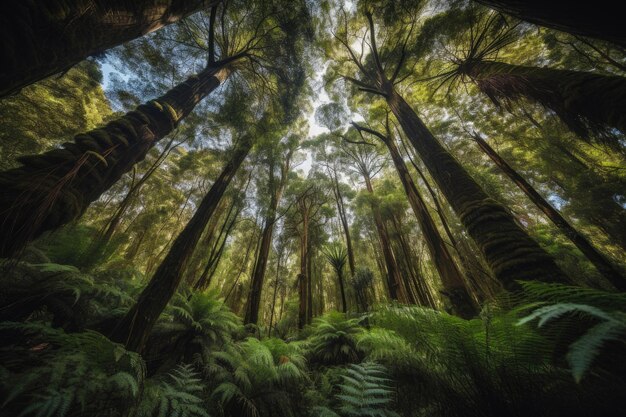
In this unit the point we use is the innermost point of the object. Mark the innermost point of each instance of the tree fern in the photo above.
(334, 340)
(366, 391)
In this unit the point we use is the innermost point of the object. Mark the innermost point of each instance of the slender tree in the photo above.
(336, 256)
(367, 163)
(453, 282)
(275, 190)
(135, 327)
(602, 264)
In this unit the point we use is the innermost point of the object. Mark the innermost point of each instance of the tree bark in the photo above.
(508, 250)
(134, 328)
(603, 265)
(341, 210)
(44, 38)
(603, 20)
(454, 287)
(56, 187)
(393, 275)
(302, 278)
(258, 276)
(589, 104)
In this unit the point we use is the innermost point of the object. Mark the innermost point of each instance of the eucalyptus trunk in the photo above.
(43, 38)
(56, 187)
(590, 104)
(341, 209)
(302, 276)
(510, 252)
(602, 264)
(394, 281)
(603, 20)
(135, 327)
(454, 288)
(258, 276)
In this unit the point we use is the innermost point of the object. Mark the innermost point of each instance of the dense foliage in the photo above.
(322, 208)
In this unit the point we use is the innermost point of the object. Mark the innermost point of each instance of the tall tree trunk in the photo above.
(341, 209)
(393, 275)
(44, 38)
(258, 276)
(309, 284)
(603, 20)
(507, 248)
(134, 328)
(588, 103)
(302, 278)
(454, 287)
(56, 187)
(276, 284)
(603, 265)
(115, 220)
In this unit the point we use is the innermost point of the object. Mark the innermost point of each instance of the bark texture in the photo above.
(56, 187)
(43, 38)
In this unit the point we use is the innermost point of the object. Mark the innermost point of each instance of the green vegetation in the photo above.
(285, 208)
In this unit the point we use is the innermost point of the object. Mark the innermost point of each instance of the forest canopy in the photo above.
(317, 208)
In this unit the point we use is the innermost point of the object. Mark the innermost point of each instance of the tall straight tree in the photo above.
(602, 264)
(52, 189)
(275, 190)
(306, 200)
(510, 252)
(44, 38)
(135, 327)
(367, 163)
(452, 279)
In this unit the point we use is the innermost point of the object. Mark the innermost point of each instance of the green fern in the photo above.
(257, 377)
(50, 373)
(334, 340)
(366, 391)
(178, 395)
(583, 352)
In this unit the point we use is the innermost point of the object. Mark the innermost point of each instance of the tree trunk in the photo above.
(302, 278)
(258, 276)
(134, 328)
(508, 250)
(589, 104)
(56, 187)
(453, 283)
(44, 38)
(609, 271)
(393, 275)
(603, 20)
(344, 223)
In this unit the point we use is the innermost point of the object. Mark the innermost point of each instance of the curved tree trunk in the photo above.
(589, 104)
(133, 330)
(602, 20)
(56, 187)
(609, 271)
(507, 248)
(42, 38)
